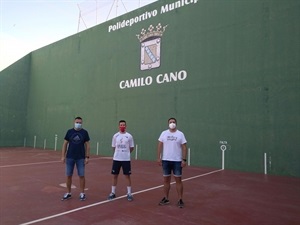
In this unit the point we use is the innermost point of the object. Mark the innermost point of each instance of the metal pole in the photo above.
(34, 141)
(97, 148)
(189, 156)
(55, 142)
(265, 162)
(136, 152)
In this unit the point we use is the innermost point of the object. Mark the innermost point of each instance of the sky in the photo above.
(27, 25)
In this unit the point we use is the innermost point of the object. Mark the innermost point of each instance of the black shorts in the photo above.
(116, 166)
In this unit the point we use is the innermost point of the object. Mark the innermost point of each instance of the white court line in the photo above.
(106, 201)
(28, 164)
(37, 163)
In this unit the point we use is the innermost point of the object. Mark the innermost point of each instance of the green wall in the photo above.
(14, 86)
(238, 73)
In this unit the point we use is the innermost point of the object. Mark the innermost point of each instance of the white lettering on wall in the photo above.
(163, 78)
(137, 82)
(147, 15)
(160, 79)
(131, 21)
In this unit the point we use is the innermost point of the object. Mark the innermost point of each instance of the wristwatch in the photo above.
(184, 160)
(87, 157)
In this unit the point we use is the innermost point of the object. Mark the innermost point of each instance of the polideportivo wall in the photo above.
(14, 86)
(227, 70)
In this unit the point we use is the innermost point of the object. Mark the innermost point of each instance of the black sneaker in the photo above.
(111, 196)
(164, 201)
(66, 196)
(129, 197)
(82, 197)
(180, 203)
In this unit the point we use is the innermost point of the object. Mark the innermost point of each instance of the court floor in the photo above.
(32, 182)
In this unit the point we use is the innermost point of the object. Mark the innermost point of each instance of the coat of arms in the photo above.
(150, 46)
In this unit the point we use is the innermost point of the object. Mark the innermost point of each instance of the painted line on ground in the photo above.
(106, 201)
(38, 163)
(29, 164)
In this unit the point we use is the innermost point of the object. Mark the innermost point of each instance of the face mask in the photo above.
(172, 125)
(77, 125)
(122, 129)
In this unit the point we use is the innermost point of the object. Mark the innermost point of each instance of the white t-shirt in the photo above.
(122, 144)
(172, 141)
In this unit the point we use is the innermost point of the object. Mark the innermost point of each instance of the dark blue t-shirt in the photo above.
(76, 139)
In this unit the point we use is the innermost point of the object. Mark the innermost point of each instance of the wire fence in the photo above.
(94, 12)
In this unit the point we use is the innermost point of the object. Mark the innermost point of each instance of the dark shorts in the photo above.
(171, 166)
(116, 166)
(70, 164)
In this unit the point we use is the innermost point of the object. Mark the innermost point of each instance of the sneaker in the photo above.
(111, 196)
(129, 197)
(66, 196)
(164, 201)
(82, 197)
(180, 203)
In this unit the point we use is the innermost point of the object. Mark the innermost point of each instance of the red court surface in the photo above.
(31, 189)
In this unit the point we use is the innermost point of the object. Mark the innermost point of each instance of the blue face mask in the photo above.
(78, 125)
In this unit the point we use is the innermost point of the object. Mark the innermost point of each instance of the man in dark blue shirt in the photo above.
(76, 151)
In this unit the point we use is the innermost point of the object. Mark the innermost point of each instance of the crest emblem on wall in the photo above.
(151, 46)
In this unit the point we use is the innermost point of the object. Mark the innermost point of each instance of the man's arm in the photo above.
(87, 149)
(159, 152)
(64, 151)
(87, 152)
(184, 154)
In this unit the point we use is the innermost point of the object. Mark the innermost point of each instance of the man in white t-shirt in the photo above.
(123, 145)
(171, 155)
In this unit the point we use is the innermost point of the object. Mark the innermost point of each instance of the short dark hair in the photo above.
(122, 121)
(172, 118)
(78, 118)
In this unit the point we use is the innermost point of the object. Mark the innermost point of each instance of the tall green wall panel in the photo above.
(14, 85)
(227, 70)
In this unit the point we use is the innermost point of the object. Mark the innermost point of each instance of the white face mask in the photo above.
(172, 125)
(78, 125)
